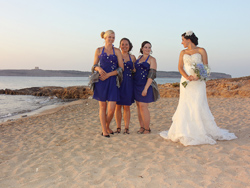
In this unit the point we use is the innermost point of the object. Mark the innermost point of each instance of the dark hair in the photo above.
(143, 44)
(129, 43)
(192, 37)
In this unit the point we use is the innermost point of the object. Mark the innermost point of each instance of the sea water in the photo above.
(15, 106)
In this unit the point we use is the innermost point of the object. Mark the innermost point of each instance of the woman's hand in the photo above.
(195, 78)
(104, 76)
(190, 78)
(144, 92)
(101, 71)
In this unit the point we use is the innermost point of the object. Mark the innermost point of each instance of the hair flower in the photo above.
(189, 33)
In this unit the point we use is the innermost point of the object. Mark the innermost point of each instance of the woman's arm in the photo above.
(180, 67)
(119, 57)
(133, 60)
(153, 65)
(96, 60)
(203, 53)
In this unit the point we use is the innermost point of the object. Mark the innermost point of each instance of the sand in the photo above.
(62, 147)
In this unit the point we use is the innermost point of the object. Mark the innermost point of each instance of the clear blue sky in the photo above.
(63, 34)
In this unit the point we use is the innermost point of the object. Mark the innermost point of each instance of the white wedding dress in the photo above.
(193, 122)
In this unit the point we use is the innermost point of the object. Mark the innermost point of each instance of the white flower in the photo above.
(207, 69)
(192, 65)
(189, 33)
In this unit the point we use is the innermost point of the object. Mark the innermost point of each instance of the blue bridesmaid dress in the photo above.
(126, 89)
(140, 80)
(107, 90)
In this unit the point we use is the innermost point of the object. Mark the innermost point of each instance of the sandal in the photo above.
(118, 130)
(141, 132)
(126, 131)
(111, 132)
(149, 130)
(105, 135)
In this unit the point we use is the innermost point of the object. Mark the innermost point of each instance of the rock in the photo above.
(231, 87)
(75, 92)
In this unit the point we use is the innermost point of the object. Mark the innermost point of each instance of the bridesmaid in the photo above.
(126, 89)
(106, 89)
(145, 73)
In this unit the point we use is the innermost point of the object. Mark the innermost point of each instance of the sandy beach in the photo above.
(63, 147)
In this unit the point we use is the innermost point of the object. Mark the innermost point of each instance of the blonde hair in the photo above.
(107, 33)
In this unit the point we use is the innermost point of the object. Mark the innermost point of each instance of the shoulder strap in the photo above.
(147, 59)
(103, 49)
(140, 57)
(130, 57)
(114, 50)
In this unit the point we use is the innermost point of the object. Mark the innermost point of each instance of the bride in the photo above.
(193, 123)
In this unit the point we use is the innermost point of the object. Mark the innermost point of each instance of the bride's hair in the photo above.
(192, 37)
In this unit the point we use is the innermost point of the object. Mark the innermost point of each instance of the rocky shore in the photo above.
(230, 87)
(74, 92)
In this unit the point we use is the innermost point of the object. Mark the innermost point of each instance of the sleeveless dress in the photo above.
(140, 80)
(193, 122)
(107, 90)
(126, 89)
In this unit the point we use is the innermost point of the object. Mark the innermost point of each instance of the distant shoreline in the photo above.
(74, 73)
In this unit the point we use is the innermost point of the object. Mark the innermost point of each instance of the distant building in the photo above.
(37, 68)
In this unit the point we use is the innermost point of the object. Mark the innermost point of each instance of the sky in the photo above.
(64, 34)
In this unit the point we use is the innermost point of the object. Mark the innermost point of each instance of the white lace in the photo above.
(193, 122)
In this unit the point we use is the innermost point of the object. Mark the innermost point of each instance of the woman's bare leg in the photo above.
(126, 116)
(145, 115)
(139, 118)
(102, 115)
(118, 117)
(110, 114)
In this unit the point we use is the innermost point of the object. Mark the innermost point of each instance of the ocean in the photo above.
(16, 106)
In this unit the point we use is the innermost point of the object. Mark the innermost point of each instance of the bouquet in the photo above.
(202, 72)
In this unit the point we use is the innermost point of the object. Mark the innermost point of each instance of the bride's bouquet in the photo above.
(201, 71)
